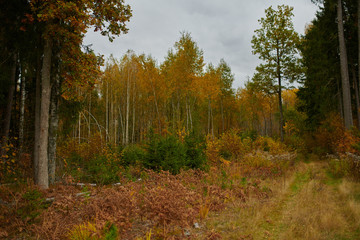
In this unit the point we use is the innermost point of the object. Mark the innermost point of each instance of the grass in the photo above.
(302, 206)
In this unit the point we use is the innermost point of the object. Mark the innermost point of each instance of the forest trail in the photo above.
(306, 204)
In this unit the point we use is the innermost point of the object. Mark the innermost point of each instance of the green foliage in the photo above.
(101, 169)
(226, 79)
(319, 94)
(110, 232)
(276, 44)
(32, 205)
(195, 148)
(165, 153)
(132, 155)
(170, 154)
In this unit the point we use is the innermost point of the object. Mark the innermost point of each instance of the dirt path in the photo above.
(307, 204)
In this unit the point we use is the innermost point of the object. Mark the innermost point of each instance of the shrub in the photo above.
(172, 154)
(268, 144)
(195, 151)
(229, 146)
(165, 153)
(332, 136)
(345, 166)
(132, 155)
(102, 168)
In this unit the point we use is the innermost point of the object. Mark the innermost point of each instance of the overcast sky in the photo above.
(221, 28)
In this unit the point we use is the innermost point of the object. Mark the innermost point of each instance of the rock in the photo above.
(196, 225)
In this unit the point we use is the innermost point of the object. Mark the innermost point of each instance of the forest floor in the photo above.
(307, 204)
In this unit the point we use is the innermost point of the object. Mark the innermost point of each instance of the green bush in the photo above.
(195, 151)
(100, 169)
(132, 155)
(170, 154)
(165, 153)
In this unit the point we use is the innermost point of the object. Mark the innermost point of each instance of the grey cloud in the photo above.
(223, 29)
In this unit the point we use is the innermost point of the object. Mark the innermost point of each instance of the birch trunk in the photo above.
(107, 111)
(127, 109)
(133, 119)
(222, 115)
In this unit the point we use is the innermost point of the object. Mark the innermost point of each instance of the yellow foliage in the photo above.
(257, 160)
(289, 97)
(212, 149)
(204, 208)
(83, 231)
(270, 145)
(225, 162)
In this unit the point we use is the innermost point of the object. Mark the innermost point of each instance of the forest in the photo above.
(130, 147)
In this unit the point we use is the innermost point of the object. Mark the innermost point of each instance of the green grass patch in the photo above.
(300, 180)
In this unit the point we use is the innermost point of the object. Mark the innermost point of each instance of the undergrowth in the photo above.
(161, 203)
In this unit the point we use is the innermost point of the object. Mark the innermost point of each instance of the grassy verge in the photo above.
(302, 206)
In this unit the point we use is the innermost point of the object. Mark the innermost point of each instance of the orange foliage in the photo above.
(333, 137)
(160, 202)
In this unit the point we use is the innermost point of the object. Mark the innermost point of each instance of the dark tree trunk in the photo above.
(344, 69)
(357, 100)
(37, 119)
(53, 127)
(22, 109)
(357, 87)
(10, 100)
(42, 178)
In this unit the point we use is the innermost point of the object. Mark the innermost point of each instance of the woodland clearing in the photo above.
(305, 202)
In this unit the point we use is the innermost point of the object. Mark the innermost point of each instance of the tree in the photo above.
(181, 69)
(329, 48)
(227, 96)
(63, 24)
(208, 88)
(276, 44)
(345, 82)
